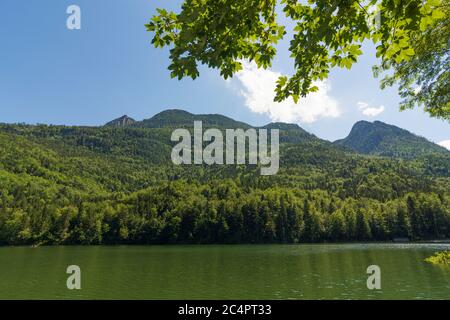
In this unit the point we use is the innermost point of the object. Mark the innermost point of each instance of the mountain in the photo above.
(116, 184)
(379, 138)
(180, 118)
(176, 118)
(123, 121)
(293, 133)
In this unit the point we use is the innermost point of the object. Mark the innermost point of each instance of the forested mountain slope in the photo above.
(382, 139)
(116, 184)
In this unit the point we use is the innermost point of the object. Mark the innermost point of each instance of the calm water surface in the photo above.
(224, 272)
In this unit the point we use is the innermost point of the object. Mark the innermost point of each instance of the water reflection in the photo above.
(225, 272)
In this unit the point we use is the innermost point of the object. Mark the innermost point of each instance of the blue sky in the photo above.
(49, 74)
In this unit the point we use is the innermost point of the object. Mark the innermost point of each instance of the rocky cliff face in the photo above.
(121, 122)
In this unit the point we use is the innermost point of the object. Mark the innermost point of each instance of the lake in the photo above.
(328, 271)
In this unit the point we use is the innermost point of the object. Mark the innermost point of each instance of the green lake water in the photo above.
(332, 271)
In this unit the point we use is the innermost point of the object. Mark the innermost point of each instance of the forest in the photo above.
(115, 184)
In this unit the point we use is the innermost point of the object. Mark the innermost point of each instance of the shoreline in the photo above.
(430, 242)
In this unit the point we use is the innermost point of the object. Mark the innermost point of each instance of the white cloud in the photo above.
(445, 144)
(258, 85)
(368, 110)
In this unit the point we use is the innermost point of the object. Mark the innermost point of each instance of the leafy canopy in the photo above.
(424, 79)
(327, 34)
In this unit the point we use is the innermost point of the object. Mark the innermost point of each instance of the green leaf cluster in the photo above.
(411, 37)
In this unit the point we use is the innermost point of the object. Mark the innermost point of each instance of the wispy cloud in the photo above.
(257, 87)
(445, 144)
(369, 111)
